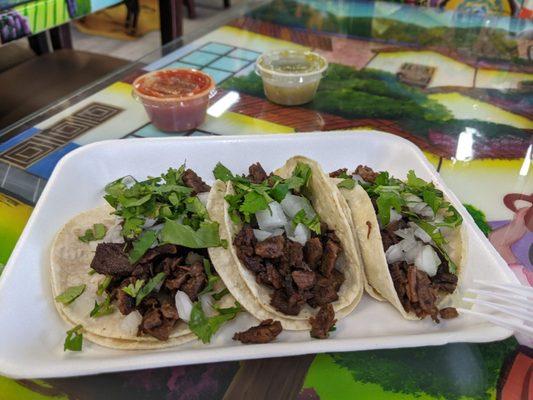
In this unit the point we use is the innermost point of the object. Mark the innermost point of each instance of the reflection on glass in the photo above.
(223, 104)
(527, 162)
(465, 150)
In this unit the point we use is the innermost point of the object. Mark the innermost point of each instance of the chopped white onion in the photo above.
(130, 323)
(128, 181)
(183, 305)
(427, 260)
(405, 233)
(272, 218)
(358, 178)
(264, 235)
(114, 235)
(203, 197)
(207, 305)
(301, 234)
(405, 250)
(157, 228)
(292, 204)
(420, 233)
(149, 222)
(394, 216)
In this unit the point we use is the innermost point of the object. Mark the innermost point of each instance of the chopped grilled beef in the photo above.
(295, 253)
(254, 263)
(271, 247)
(196, 282)
(245, 241)
(288, 305)
(337, 173)
(171, 265)
(256, 173)
(159, 251)
(366, 173)
(425, 294)
(337, 278)
(412, 293)
(270, 277)
(125, 302)
(159, 322)
(178, 278)
(111, 259)
(323, 292)
(265, 332)
(304, 279)
(330, 256)
(313, 252)
(322, 322)
(444, 280)
(190, 179)
(448, 313)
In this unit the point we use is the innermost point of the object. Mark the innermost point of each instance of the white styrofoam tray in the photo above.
(32, 332)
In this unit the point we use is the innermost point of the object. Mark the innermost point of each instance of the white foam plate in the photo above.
(32, 333)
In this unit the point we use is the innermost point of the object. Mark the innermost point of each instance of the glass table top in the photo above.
(457, 84)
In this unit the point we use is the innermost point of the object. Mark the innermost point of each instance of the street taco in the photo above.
(410, 238)
(291, 254)
(136, 274)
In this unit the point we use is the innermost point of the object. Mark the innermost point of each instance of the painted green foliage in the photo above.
(479, 218)
(448, 372)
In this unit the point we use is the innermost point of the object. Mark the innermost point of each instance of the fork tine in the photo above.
(499, 321)
(513, 299)
(515, 311)
(528, 291)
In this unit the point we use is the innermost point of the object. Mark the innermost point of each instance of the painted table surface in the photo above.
(20, 18)
(473, 120)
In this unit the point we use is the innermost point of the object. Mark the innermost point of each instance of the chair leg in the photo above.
(171, 19)
(39, 43)
(60, 37)
(191, 8)
(227, 3)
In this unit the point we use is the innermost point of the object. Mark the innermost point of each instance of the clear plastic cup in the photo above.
(175, 99)
(290, 77)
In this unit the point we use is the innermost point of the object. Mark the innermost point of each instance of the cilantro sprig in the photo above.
(104, 308)
(161, 200)
(312, 223)
(74, 339)
(133, 288)
(205, 327)
(97, 232)
(70, 294)
(249, 198)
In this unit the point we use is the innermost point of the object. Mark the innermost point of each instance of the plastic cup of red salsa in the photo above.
(175, 99)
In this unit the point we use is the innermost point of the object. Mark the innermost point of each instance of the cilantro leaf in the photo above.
(205, 327)
(74, 339)
(312, 223)
(2, 266)
(105, 308)
(414, 181)
(195, 206)
(217, 296)
(174, 176)
(253, 202)
(382, 179)
(222, 173)
(133, 289)
(184, 235)
(132, 227)
(102, 286)
(141, 246)
(279, 191)
(211, 278)
(91, 271)
(302, 171)
(70, 294)
(432, 199)
(147, 289)
(97, 232)
(347, 183)
(385, 202)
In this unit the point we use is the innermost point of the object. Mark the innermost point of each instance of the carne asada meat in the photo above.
(158, 251)
(271, 247)
(297, 274)
(265, 332)
(322, 322)
(159, 322)
(448, 313)
(192, 180)
(196, 282)
(366, 173)
(337, 173)
(111, 259)
(125, 303)
(313, 252)
(256, 173)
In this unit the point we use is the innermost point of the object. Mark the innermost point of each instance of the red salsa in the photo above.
(173, 84)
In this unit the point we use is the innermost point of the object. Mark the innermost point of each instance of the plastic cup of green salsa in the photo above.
(290, 77)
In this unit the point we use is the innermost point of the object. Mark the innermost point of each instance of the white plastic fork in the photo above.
(510, 301)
